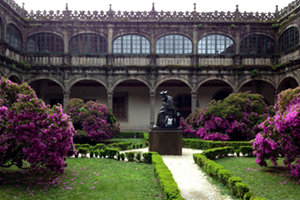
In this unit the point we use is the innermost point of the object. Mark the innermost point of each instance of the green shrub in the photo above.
(130, 156)
(76, 146)
(246, 150)
(100, 146)
(138, 156)
(258, 198)
(122, 156)
(242, 189)
(247, 196)
(165, 178)
(111, 153)
(124, 145)
(232, 182)
(224, 175)
(83, 151)
(133, 146)
(102, 154)
(213, 153)
(148, 156)
(129, 134)
(96, 153)
(119, 156)
(146, 136)
(81, 137)
(86, 146)
(207, 144)
(141, 145)
(91, 153)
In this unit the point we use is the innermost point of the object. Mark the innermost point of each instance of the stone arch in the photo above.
(122, 79)
(257, 33)
(231, 36)
(128, 32)
(156, 37)
(54, 32)
(39, 77)
(287, 27)
(258, 78)
(170, 78)
(69, 38)
(15, 78)
(285, 80)
(75, 80)
(221, 94)
(212, 78)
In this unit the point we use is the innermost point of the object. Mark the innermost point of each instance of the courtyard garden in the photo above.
(250, 150)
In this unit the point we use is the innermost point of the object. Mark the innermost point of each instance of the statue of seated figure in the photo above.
(167, 110)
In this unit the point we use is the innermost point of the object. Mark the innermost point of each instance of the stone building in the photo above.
(123, 59)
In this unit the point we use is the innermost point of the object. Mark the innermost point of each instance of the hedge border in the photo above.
(207, 144)
(235, 184)
(165, 178)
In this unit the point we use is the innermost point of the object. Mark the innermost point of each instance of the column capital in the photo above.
(66, 92)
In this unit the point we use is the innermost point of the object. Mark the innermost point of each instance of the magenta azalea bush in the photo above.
(280, 135)
(31, 131)
(93, 118)
(235, 118)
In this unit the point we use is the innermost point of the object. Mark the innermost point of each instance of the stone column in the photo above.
(66, 97)
(276, 92)
(110, 38)
(152, 108)
(195, 40)
(194, 100)
(110, 100)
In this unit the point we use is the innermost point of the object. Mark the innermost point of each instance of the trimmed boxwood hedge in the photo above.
(235, 184)
(207, 144)
(165, 178)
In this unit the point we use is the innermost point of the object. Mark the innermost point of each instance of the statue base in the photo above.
(165, 141)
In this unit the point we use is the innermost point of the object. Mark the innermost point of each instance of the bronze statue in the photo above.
(167, 110)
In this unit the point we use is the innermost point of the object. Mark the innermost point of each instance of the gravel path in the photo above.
(191, 181)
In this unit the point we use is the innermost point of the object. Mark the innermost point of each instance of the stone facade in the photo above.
(193, 79)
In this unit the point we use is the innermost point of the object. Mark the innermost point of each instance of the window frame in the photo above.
(123, 95)
(100, 39)
(57, 41)
(287, 35)
(264, 38)
(13, 31)
(183, 47)
(215, 43)
(141, 48)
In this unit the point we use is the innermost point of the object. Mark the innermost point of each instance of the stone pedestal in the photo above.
(165, 141)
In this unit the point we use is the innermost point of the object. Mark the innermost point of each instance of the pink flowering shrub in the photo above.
(31, 131)
(235, 118)
(280, 134)
(93, 118)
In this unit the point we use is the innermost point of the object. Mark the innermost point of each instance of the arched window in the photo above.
(14, 37)
(257, 45)
(174, 44)
(88, 44)
(131, 44)
(216, 44)
(289, 39)
(45, 43)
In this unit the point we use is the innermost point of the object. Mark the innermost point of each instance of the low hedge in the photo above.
(165, 178)
(130, 156)
(130, 134)
(120, 145)
(247, 151)
(148, 156)
(207, 144)
(217, 171)
(217, 152)
(111, 152)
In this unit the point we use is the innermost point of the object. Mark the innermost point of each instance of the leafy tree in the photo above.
(93, 118)
(234, 118)
(31, 131)
(280, 135)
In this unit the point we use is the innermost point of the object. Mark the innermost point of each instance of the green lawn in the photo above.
(272, 183)
(85, 178)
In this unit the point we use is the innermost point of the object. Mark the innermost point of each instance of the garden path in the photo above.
(192, 182)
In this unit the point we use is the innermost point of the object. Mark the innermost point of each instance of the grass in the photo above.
(84, 178)
(272, 183)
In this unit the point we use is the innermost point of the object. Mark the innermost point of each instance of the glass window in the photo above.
(45, 43)
(131, 44)
(14, 37)
(289, 39)
(216, 44)
(88, 44)
(257, 45)
(174, 44)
